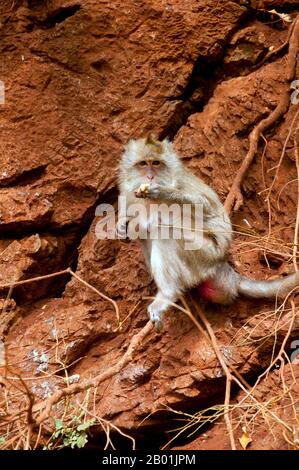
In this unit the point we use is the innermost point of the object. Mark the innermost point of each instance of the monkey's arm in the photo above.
(180, 196)
(121, 229)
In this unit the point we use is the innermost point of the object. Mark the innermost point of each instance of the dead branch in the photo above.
(99, 293)
(229, 376)
(234, 198)
(276, 51)
(39, 278)
(297, 216)
(270, 189)
(279, 356)
(47, 405)
(108, 425)
(59, 273)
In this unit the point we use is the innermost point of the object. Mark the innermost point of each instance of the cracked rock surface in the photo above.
(81, 78)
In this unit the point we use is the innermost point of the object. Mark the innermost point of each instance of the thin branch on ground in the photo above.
(13, 284)
(227, 372)
(297, 216)
(108, 424)
(234, 198)
(279, 49)
(270, 189)
(264, 408)
(45, 406)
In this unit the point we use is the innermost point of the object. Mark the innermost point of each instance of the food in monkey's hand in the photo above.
(142, 190)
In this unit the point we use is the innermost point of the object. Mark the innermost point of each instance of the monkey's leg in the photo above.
(146, 250)
(166, 279)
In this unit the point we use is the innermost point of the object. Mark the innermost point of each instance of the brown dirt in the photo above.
(81, 77)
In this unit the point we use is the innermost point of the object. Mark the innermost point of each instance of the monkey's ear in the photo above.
(131, 151)
(168, 147)
(170, 154)
(131, 145)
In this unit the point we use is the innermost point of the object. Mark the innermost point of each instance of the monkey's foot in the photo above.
(156, 316)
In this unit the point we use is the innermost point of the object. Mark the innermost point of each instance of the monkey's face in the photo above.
(149, 163)
(152, 170)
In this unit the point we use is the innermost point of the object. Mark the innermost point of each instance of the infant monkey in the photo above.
(150, 173)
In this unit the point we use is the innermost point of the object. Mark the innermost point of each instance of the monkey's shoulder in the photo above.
(193, 184)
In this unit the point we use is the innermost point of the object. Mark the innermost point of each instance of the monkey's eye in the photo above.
(143, 163)
(156, 163)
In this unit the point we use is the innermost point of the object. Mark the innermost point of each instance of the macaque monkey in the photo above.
(151, 173)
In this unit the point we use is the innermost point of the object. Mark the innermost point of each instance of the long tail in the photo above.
(227, 284)
(268, 289)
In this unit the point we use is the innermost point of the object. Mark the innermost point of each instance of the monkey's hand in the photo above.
(142, 190)
(149, 191)
(121, 229)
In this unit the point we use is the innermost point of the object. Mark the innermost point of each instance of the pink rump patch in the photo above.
(207, 290)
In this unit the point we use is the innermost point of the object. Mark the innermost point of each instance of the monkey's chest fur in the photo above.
(174, 266)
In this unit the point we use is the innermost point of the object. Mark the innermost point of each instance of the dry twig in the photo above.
(297, 217)
(47, 404)
(234, 198)
(60, 273)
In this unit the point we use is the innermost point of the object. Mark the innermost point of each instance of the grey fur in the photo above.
(174, 269)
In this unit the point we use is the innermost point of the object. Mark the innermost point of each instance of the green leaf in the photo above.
(86, 425)
(58, 424)
(82, 440)
(57, 433)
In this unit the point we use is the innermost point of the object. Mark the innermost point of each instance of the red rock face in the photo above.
(81, 78)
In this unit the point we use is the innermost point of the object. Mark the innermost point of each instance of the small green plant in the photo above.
(71, 436)
(72, 432)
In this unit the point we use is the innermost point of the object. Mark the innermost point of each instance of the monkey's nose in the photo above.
(150, 177)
